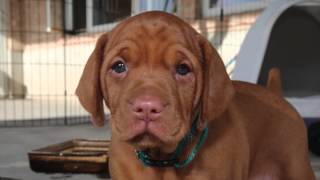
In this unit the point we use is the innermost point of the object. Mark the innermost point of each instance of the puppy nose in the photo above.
(147, 108)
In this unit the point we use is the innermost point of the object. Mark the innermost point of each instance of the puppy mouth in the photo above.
(148, 136)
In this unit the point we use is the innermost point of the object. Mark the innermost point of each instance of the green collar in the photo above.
(145, 158)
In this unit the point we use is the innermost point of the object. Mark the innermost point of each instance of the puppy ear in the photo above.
(217, 86)
(88, 90)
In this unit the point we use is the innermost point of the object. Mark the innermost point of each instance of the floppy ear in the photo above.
(217, 86)
(88, 90)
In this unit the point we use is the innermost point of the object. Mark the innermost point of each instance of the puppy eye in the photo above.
(183, 69)
(119, 67)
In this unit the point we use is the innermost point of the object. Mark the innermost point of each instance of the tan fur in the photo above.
(274, 81)
(253, 133)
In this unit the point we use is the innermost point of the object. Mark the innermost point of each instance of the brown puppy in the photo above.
(155, 73)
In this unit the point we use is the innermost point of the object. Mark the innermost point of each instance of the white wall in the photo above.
(3, 51)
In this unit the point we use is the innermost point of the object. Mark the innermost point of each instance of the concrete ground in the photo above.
(15, 143)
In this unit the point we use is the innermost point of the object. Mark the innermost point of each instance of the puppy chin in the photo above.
(151, 143)
(145, 141)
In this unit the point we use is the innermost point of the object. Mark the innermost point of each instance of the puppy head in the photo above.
(154, 71)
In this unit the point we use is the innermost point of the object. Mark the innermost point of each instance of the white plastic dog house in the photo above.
(287, 36)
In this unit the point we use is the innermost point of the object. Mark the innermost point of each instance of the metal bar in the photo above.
(65, 65)
(48, 13)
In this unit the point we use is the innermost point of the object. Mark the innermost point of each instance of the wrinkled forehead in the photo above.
(153, 28)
